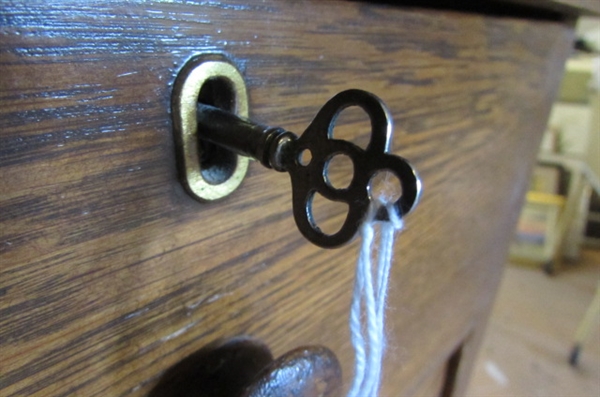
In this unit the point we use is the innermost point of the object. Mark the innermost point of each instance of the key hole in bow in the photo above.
(353, 124)
(339, 171)
(385, 186)
(305, 157)
(327, 215)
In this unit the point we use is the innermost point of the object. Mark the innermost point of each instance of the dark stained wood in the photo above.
(558, 10)
(111, 273)
(572, 7)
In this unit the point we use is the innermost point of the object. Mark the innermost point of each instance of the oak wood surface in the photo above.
(111, 273)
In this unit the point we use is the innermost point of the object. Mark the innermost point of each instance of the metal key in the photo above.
(282, 150)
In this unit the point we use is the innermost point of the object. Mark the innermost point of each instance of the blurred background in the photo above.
(543, 337)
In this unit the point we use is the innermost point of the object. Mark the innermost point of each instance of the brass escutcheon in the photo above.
(208, 172)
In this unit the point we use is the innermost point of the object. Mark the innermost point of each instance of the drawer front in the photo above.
(111, 273)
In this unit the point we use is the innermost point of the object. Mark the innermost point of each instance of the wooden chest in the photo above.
(110, 272)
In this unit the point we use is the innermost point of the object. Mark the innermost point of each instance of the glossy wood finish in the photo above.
(111, 273)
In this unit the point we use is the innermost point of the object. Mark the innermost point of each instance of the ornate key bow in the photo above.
(311, 178)
(282, 150)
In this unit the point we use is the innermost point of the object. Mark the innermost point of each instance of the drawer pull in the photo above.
(244, 367)
(306, 158)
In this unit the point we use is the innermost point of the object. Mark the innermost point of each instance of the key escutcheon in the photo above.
(308, 179)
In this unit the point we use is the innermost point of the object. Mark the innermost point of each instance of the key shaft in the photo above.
(272, 146)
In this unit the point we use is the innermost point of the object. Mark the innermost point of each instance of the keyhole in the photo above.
(217, 164)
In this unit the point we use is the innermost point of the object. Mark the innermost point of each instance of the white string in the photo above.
(367, 331)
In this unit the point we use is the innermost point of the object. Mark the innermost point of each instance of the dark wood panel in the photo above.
(569, 7)
(110, 273)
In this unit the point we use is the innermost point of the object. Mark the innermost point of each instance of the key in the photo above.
(284, 151)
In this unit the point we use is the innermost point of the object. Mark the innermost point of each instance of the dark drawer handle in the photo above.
(244, 367)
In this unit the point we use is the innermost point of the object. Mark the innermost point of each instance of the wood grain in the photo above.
(111, 273)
